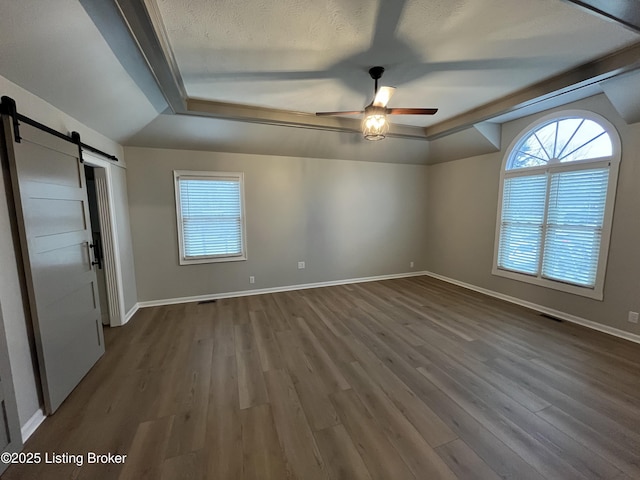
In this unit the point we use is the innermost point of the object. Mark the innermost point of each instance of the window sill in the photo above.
(595, 293)
(196, 261)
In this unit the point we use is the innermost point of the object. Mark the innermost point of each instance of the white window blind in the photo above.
(523, 204)
(554, 220)
(210, 217)
(574, 225)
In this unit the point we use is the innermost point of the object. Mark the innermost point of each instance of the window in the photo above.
(210, 212)
(556, 203)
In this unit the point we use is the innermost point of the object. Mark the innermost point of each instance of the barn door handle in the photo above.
(97, 254)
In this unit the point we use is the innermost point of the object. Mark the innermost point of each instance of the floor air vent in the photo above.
(546, 315)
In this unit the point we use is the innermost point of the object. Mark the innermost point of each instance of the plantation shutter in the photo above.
(523, 205)
(211, 216)
(574, 225)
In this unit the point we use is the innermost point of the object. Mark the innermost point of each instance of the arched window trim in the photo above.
(612, 161)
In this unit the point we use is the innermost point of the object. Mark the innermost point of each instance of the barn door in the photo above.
(50, 193)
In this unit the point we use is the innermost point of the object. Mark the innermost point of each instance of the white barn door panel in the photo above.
(53, 218)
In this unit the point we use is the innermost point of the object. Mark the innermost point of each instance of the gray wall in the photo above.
(462, 207)
(345, 219)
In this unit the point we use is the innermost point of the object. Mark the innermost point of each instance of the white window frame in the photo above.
(613, 161)
(187, 174)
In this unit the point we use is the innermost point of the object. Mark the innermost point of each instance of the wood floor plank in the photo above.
(576, 406)
(361, 292)
(606, 373)
(188, 433)
(240, 311)
(340, 454)
(535, 452)
(224, 429)
(270, 356)
(243, 335)
(413, 448)
(397, 362)
(623, 455)
(278, 320)
(439, 340)
(617, 400)
(312, 392)
(327, 317)
(325, 367)
(189, 426)
(496, 453)
(404, 378)
(251, 386)
(162, 337)
(336, 347)
(146, 455)
(390, 338)
(380, 457)
(588, 463)
(189, 466)
(293, 429)
(290, 305)
(222, 329)
(380, 313)
(464, 462)
(518, 392)
(432, 317)
(333, 299)
(423, 419)
(262, 457)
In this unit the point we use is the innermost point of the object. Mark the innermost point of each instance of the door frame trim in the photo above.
(111, 246)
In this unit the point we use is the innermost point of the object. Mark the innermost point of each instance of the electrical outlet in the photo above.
(633, 317)
(300, 265)
(252, 279)
(411, 264)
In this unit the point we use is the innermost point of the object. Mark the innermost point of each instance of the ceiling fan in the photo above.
(375, 125)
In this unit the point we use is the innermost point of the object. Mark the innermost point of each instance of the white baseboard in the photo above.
(32, 424)
(131, 313)
(541, 308)
(288, 288)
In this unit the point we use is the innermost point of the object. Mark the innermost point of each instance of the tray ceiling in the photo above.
(124, 67)
(313, 55)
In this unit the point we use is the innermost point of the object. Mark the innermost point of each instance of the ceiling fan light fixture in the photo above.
(375, 125)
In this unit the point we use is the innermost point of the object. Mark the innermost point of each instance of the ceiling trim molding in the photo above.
(143, 20)
(609, 66)
(145, 23)
(624, 12)
(289, 118)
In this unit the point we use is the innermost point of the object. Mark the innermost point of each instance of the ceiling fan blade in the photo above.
(383, 96)
(411, 111)
(329, 114)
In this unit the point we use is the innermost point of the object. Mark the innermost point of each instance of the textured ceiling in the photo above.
(79, 55)
(313, 55)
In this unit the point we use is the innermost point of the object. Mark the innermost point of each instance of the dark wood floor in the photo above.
(400, 379)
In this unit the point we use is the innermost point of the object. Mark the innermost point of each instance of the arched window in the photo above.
(556, 203)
